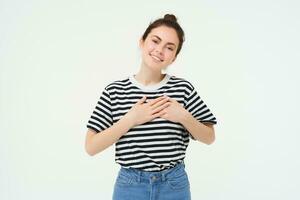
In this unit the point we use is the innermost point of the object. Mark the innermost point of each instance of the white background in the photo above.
(57, 56)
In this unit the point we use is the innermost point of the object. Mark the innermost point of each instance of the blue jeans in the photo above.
(169, 184)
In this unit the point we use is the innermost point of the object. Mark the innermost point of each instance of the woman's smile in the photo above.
(157, 59)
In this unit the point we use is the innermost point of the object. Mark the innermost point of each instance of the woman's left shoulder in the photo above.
(182, 80)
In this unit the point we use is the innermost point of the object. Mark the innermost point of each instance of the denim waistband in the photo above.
(146, 176)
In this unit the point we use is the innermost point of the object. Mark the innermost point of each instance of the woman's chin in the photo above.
(154, 66)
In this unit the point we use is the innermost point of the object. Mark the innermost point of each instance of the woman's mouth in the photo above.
(157, 59)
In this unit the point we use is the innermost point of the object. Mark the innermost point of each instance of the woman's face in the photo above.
(159, 48)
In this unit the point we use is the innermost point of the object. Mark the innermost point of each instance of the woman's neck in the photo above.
(147, 76)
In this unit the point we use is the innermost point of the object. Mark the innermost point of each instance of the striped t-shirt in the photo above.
(155, 145)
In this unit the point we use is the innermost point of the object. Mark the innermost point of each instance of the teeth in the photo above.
(156, 58)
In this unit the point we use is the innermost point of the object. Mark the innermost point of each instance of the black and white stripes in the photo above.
(158, 144)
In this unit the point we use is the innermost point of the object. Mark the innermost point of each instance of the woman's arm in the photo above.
(200, 131)
(139, 113)
(175, 112)
(97, 142)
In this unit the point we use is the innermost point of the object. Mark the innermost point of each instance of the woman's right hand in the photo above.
(142, 112)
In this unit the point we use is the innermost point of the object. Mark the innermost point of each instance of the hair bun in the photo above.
(170, 17)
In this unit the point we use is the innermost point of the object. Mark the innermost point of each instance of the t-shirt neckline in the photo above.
(149, 87)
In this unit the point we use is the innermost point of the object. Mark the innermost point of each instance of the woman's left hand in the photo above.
(174, 112)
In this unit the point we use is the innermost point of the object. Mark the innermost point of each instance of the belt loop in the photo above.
(139, 176)
(163, 178)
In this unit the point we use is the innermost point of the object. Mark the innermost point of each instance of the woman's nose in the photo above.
(159, 49)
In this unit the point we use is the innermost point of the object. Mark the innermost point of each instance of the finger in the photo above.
(159, 103)
(170, 99)
(153, 101)
(163, 106)
(142, 100)
(162, 113)
(159, 114)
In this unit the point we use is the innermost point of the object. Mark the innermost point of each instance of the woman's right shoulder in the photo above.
(121, 82)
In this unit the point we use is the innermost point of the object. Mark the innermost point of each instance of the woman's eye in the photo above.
(155, 41)
(171, 49)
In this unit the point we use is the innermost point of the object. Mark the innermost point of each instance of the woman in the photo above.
(151, 116)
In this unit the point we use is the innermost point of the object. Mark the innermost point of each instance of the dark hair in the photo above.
(170, 21)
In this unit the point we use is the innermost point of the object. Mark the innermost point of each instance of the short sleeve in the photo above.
(101, 117)
(195, 105)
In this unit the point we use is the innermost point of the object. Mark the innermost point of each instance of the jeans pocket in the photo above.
(123, 179)
(178, 182)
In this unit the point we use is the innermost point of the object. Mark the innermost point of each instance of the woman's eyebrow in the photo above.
(160, 40)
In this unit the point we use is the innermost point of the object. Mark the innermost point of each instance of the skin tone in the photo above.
(158, 51)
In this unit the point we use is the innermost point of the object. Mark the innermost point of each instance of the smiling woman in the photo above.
(161, 46)
(151, 117)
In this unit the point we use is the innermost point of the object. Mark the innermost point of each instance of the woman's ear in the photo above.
(141, 42)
